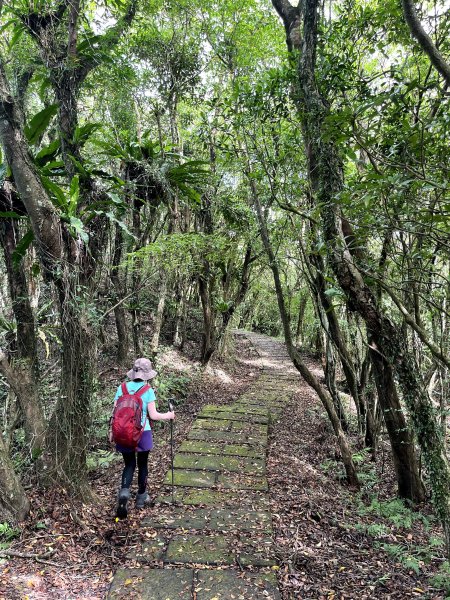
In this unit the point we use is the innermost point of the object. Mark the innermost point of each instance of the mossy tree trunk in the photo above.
(26, 364)
(14, 504)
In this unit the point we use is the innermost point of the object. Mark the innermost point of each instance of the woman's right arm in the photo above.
(157, 416)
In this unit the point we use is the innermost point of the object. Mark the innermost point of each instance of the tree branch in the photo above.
(425, 42)
(37, 23)
(108, 41)
(292, 18)
(409, 319)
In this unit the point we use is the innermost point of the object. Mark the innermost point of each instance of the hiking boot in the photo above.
(142, 500)
(124, 496)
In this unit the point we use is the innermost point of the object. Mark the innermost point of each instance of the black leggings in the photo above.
(129, 459)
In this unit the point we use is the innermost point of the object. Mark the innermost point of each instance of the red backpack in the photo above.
(126, 423)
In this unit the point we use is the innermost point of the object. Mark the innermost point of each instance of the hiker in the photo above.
(138, 385)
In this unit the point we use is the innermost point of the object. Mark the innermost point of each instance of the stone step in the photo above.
(199, 447)
(227, 425)
(256, 466)
(246, 549)
(213, 498)
(211, 435)
(234, 416)
(201, 479)
(182, 583)
(226, 408)
(214, 519)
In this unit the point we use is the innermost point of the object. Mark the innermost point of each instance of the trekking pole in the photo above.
(171, 446)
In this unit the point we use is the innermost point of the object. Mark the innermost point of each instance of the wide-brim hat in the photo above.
(142, 369)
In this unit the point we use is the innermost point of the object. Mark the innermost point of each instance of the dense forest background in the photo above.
(173, 170)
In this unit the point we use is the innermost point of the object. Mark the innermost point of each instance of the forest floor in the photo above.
(330, 542)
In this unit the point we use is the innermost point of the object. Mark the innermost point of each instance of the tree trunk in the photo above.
(426, 43)
(181, 313)
(373, 417)
(410, 485)
(26, 366)
(208, 339)
(307, 375)
(330, 379)
(162, 295)
(123, 341)
(335, 332)
(70, 422)
(301, 316)
(14, 504)
(66, 262)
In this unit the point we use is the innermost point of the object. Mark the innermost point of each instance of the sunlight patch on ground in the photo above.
(170, 357)
(219, 374)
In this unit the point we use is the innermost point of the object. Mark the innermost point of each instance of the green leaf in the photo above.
(83, 133)
(22, 247)
(120, 223)
(332, 292)
(78, 227)
(79, 167)
(47, 153)
(55, 167)
(9, 214)
(74, 195)
(18, 32)
(39, 123)
(57, 194)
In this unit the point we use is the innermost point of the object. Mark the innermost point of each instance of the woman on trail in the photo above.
(139, 377)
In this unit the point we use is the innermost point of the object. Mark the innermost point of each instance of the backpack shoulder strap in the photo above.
(124, 389)
(141, 391)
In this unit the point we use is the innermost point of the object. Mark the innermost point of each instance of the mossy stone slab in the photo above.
(185, 478)
(196, 447)
(255, 560)
(233, 416)
(228, 584)
(149, 551)
(242, 482)
(244, 408)
(227, 519)
(207, 463)
(252, 429)
(193, 497)
(241, 519)
(237, 406)
(152, 584)
(199, 549)
(228, 436)
(221, 424)
(207, 497)
(180, 517)
(220, 463)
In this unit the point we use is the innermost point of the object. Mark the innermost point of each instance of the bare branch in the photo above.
(426, 43)
(434, 349)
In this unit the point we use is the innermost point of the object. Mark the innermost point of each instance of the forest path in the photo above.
(215, 542)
